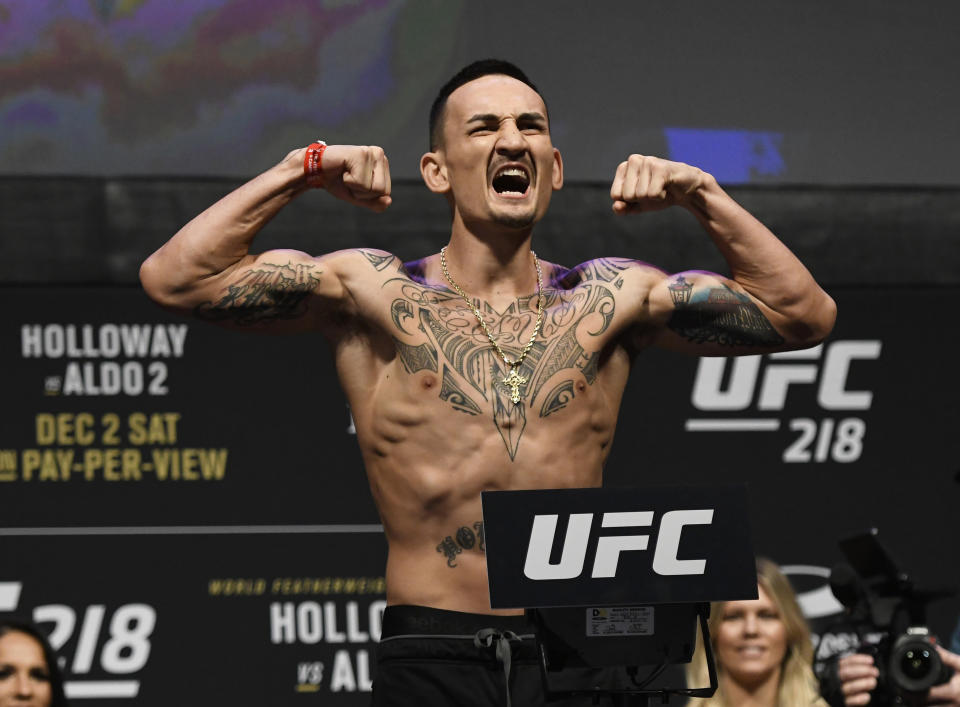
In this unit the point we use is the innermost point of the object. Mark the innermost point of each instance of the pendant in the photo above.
(513, 381)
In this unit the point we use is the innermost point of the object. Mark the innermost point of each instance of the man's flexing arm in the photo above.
(771, 302)
(207, 269)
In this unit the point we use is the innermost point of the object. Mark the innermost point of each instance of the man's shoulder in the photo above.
(416, 270)
(366, 265)
(603, 270)
(380, 260)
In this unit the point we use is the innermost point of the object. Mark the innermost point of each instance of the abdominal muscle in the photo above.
(435, 532)
(428, 464)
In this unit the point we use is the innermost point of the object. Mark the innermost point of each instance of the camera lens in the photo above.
(915, 663)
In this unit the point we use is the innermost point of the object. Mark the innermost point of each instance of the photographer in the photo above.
(857, 677)
(880, 651)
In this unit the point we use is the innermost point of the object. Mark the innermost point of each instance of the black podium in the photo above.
(618, 581)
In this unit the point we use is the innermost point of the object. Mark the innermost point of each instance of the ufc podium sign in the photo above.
(604, 547)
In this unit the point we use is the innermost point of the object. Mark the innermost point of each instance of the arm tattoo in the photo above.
(380, 261)
(269, 291)
(466, 538)
(719, 315)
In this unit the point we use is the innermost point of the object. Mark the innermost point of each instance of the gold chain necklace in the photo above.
(514, 380)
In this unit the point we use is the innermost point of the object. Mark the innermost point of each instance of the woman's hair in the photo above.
(58, 697)
(798, 685)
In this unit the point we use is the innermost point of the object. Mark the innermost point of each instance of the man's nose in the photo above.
(510, 140)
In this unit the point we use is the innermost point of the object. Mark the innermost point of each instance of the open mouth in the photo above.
(511, 181)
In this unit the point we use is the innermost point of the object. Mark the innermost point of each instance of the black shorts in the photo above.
(432, 657)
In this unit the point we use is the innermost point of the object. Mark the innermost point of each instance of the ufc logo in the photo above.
(782, 371)
(537, 565)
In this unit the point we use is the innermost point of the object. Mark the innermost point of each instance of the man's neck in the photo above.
(495, 265)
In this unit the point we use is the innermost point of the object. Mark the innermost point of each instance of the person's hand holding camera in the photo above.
(858, 677)
(947, 693)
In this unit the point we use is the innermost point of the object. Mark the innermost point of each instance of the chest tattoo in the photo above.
(435, 330)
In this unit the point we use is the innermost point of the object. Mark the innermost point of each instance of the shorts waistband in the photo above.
(406, 619)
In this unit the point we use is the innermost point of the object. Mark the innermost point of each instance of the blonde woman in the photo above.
(762, 649)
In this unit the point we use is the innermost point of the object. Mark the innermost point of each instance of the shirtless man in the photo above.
(436, 421)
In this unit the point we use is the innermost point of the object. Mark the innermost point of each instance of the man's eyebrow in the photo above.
(484, 118)
(532, 116)
(491, 118)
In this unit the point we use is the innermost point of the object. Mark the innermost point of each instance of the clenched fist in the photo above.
(358, 174)
(645, 183)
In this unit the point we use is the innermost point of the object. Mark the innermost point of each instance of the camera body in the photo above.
(909, 665)
(882, 600)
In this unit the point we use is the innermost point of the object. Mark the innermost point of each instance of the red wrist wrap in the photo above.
(313, 163)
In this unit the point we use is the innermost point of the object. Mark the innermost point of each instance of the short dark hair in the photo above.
(483, 67)
(59, 699)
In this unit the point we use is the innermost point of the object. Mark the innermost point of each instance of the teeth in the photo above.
(512, 172)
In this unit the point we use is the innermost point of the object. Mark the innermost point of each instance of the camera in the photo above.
(914, 663)
(888, 613)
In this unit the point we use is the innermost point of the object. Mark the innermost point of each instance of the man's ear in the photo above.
(434, 173)
(557, 176)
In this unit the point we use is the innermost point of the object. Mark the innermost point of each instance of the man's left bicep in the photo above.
(709, 315)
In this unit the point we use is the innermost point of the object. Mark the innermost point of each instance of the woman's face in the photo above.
(24, 678)
(752, 640)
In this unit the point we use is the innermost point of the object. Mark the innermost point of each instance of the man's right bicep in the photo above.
(282, 290)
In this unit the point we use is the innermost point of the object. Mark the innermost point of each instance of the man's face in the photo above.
(499, 162)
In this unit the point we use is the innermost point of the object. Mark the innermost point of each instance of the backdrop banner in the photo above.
(185, 507)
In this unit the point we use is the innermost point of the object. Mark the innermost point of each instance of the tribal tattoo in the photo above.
(718, 315)
(266, 292)
(471, 371)
(417, 358)
(453, 394)
(466, 538)
(557, 398)
(600, 270)
(381, 260)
